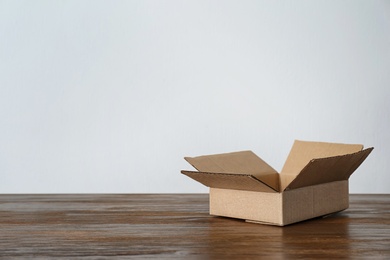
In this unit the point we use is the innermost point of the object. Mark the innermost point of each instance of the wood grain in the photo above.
(178, 226)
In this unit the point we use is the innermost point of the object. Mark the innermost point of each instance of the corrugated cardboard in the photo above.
(312, 183)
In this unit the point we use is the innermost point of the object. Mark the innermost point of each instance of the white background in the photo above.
(109, 96)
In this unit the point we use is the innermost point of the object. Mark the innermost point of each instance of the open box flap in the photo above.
(323, 170)
(229, 181)
(302, 152)
(244, 163)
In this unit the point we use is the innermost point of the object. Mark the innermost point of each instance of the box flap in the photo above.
(323, 170)
(229, 181)
(244, 162)
(302, 152)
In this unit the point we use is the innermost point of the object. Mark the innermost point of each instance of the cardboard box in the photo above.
(312, 183)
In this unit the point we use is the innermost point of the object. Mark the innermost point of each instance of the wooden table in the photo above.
(179, 226)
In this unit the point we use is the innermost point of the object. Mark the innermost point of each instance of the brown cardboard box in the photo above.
(312, 183)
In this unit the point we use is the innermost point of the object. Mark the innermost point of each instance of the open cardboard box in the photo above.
(312, 183)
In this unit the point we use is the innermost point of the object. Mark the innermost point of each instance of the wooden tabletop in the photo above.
(178, 226)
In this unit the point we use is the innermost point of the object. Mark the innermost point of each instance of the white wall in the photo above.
(109, 96)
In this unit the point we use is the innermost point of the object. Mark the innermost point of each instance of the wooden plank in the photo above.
(170, 226)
